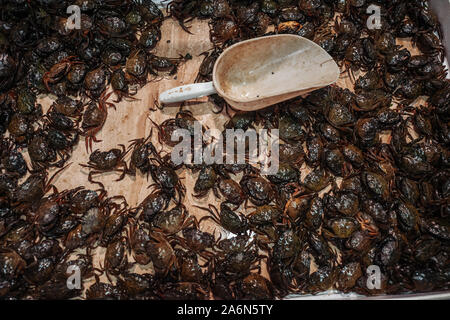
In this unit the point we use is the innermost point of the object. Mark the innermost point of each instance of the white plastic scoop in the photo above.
(256, 73)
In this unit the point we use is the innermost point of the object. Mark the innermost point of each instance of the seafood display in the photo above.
(363, 181)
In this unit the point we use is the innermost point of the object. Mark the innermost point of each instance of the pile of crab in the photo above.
(363, 177)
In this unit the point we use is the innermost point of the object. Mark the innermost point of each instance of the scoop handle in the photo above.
(187, 92)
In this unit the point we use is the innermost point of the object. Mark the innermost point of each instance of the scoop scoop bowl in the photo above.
(260, 72)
